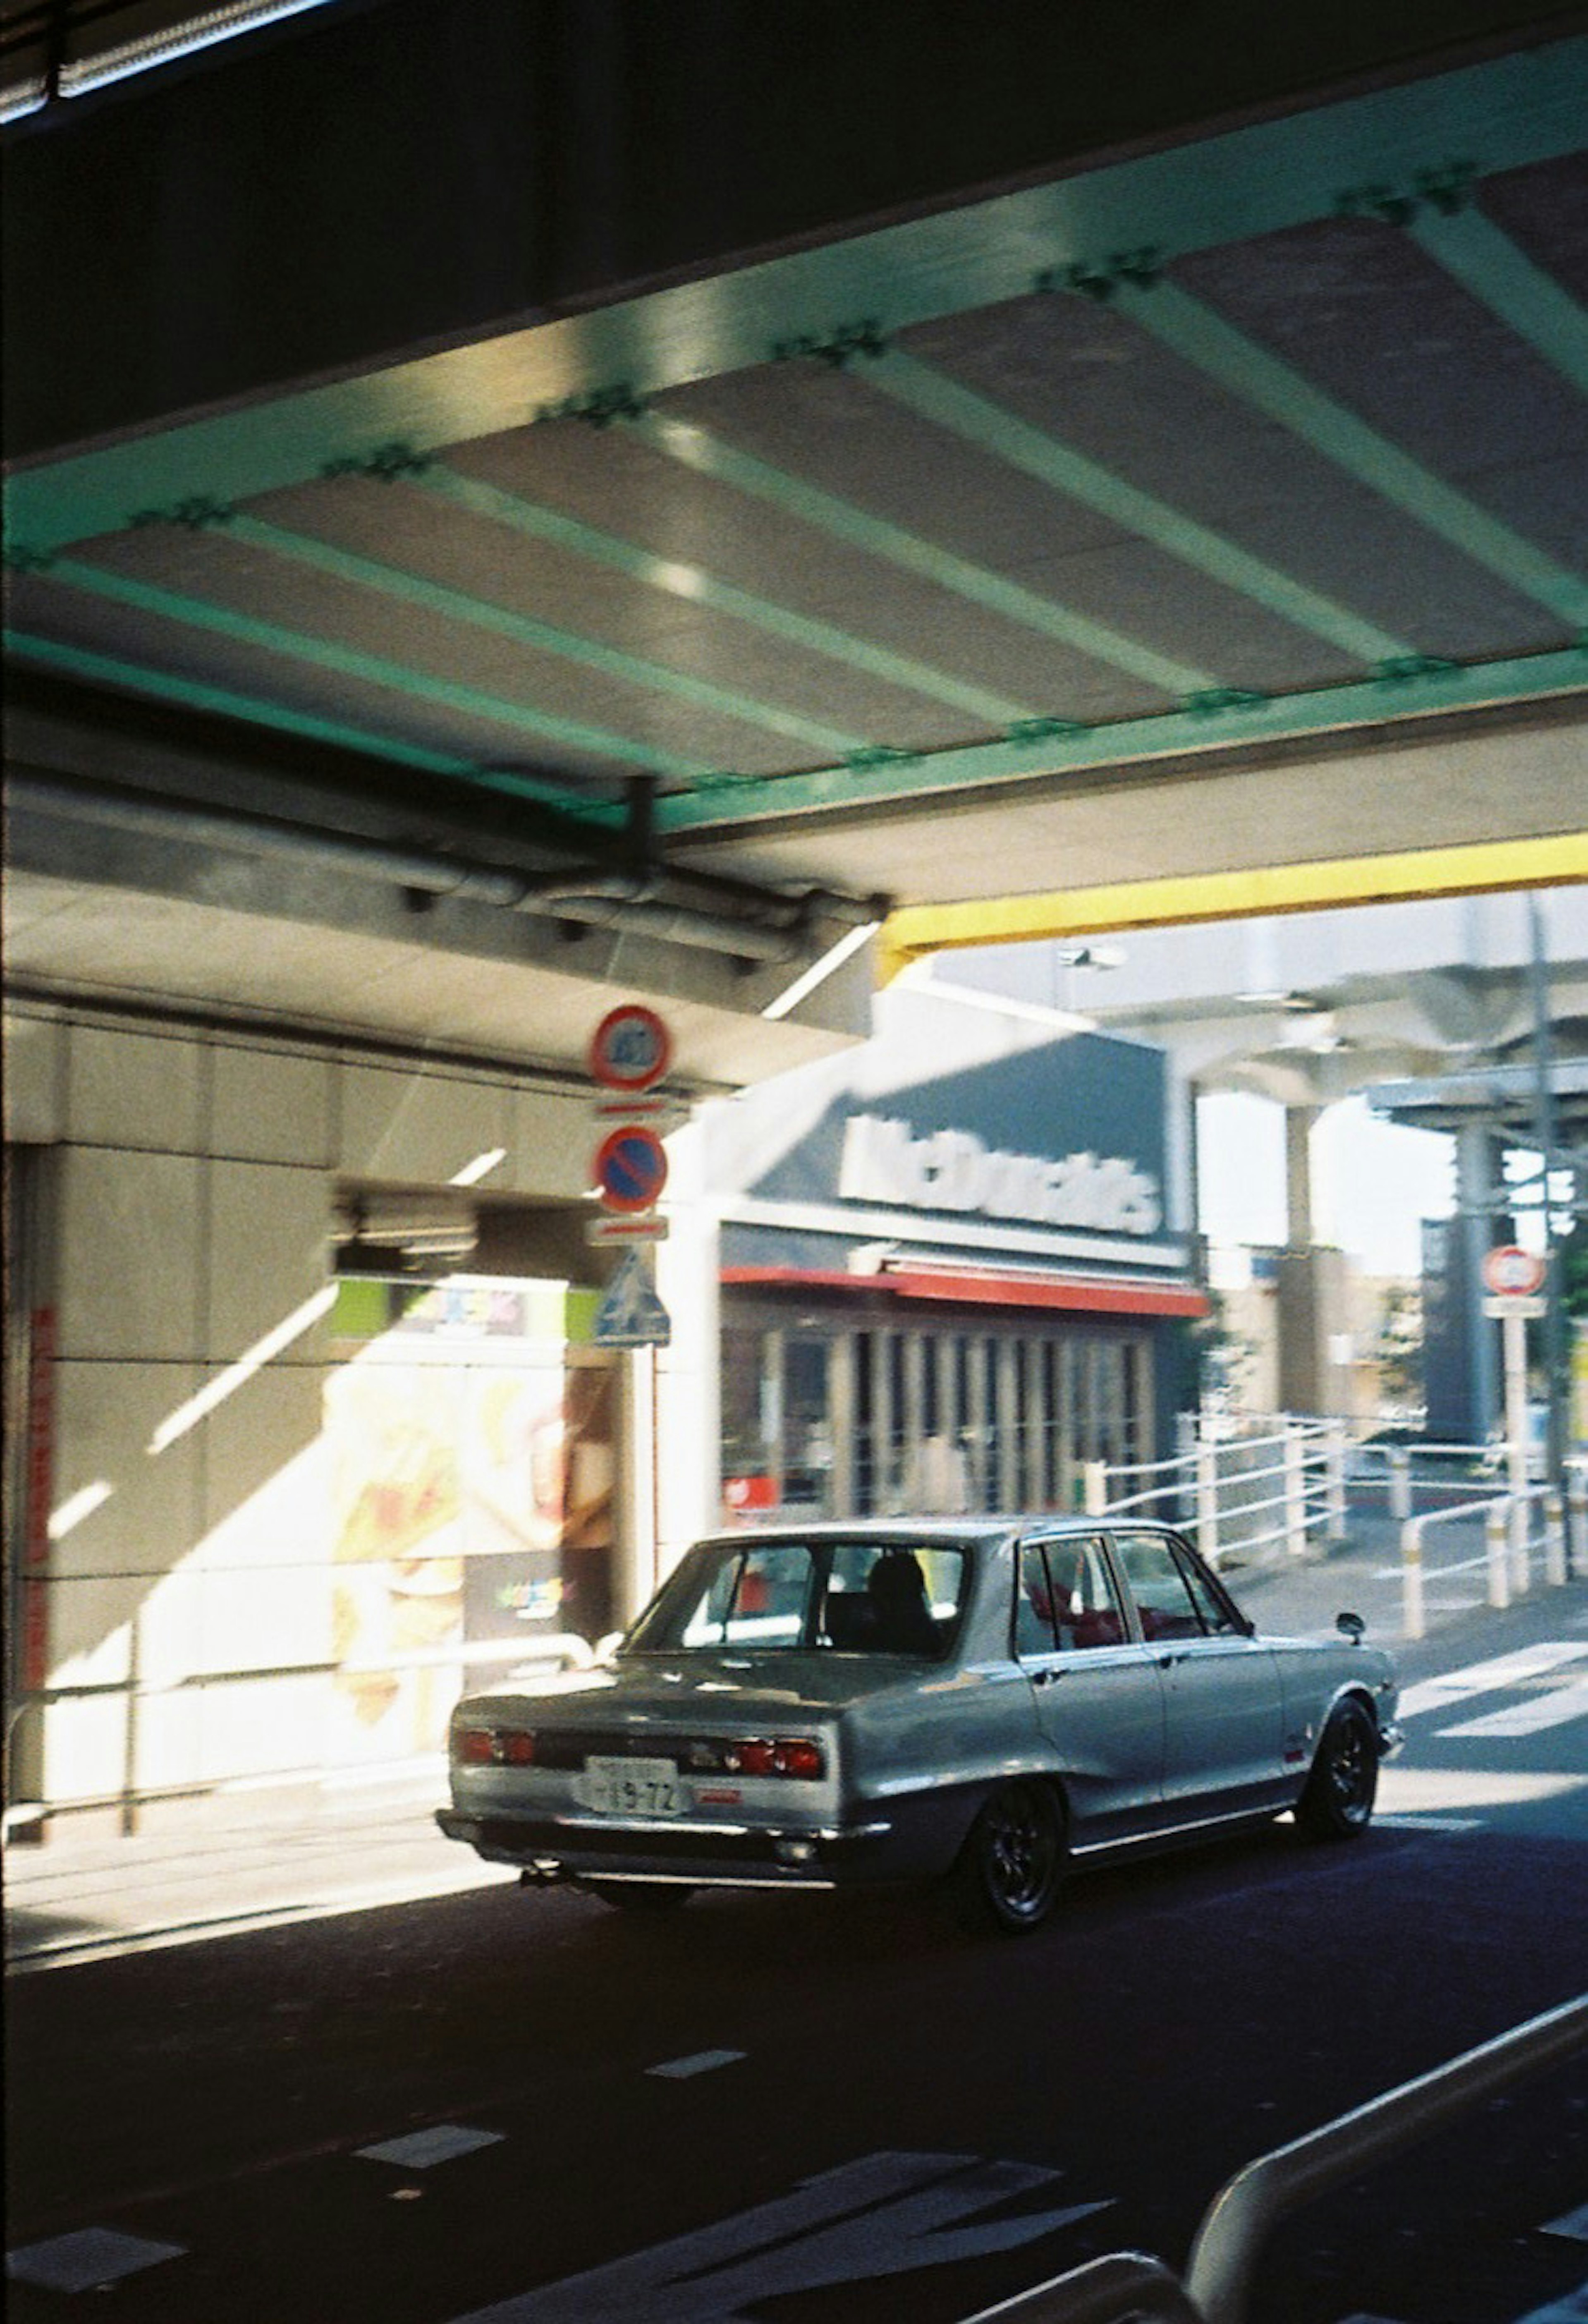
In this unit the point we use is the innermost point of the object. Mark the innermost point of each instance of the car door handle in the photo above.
(1046, 1677)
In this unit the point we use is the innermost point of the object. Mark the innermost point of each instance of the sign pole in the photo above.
(1513, 1330)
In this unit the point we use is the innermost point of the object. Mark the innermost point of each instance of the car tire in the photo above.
(1011, 1866)
(642, 1895)
(1337, 1800)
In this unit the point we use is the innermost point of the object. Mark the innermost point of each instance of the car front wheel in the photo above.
(1008, 1872)
(1338, 1801)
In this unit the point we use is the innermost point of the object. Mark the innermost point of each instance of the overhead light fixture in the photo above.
(480, 1168)
(831, 960)
(1277, 997)
(1090, 955)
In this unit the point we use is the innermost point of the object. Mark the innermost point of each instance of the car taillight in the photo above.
(781, 1755)
(493, 1746)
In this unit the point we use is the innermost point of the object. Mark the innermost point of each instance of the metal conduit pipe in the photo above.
(247, 834)
(698, 908)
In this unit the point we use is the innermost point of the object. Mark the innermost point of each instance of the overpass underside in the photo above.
(626, 497)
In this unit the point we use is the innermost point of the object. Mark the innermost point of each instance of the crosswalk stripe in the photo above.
(1561, 1704)
(1490, 1677)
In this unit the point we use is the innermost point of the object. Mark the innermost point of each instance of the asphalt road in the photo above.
(791, 2108)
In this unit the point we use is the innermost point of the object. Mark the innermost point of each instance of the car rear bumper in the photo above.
(732, 1856)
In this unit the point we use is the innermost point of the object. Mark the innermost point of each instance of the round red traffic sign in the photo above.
(630, 1050)
(630, 1168)
(1512, 1273)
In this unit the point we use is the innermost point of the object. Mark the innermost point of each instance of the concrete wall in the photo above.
(181, 1239)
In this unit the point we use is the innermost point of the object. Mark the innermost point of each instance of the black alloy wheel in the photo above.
(1338, 1801)
(1012, 1864)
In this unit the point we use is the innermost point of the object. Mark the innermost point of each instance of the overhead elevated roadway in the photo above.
(520, 502)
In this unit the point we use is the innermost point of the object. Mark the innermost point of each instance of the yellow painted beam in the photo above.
(916, 930)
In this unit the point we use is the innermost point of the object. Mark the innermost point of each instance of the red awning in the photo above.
(985, 1288)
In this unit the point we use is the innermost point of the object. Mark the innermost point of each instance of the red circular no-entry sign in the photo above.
(1512, 1273)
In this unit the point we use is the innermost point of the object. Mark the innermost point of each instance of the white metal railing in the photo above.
(1218, 1480)
(1129, 2288)
(1506, 1558)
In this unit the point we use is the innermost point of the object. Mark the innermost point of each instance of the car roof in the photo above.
(946, 1530)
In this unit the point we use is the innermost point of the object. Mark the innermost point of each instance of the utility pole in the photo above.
(1555, 1340)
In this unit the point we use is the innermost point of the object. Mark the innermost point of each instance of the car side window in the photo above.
(1217, 1617)
(1085, 1607)
(1160, 1587)
(1066, 1599)
(1033, 1610)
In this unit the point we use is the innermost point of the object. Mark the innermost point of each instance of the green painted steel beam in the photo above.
(1488, 262)
(1249, 372)
(691, 583)
(545, 637)
(723, 809)
(254, 710)
(350, 661)
(1510, 111)
(708, 453)
(993, 429)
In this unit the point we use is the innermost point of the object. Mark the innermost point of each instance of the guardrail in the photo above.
(1215, 1483)
(1507, 1554)
(1131, 2287)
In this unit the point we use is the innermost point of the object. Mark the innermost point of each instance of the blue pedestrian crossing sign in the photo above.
(631, 1315)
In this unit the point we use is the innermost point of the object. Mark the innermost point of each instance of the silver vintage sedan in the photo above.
(990, 1701)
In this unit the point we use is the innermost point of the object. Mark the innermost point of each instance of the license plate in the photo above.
(637, 1787)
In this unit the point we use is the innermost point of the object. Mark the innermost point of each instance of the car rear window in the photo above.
(826, 1596)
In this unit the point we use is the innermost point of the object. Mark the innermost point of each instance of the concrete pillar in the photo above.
(1460, 1351)
(1300, 1120)
(1311, 1285)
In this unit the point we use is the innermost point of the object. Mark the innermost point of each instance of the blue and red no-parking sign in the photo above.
(630, 1168)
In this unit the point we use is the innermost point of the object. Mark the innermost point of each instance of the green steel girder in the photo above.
(1487, 262)
(350, 661)
(1419, 689)
(545, 637)
(691, 583)
(1249, 372)
(992, 428)
(254, 710)
(1508, 111)
(708, 453)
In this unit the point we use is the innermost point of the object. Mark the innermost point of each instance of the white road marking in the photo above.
(1554, 1709)
(879, 2217)
(422, 2149)
(1488, 1677)
(1412, 1822)
(87, 2258)
(703, 2062)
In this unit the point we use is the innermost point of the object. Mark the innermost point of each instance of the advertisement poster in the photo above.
(472, 1475)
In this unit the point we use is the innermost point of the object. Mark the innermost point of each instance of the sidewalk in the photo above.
(244, 1862)
(263, 1858)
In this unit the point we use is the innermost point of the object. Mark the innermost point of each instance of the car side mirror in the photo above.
(1350, 1626)
(609, 1646)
